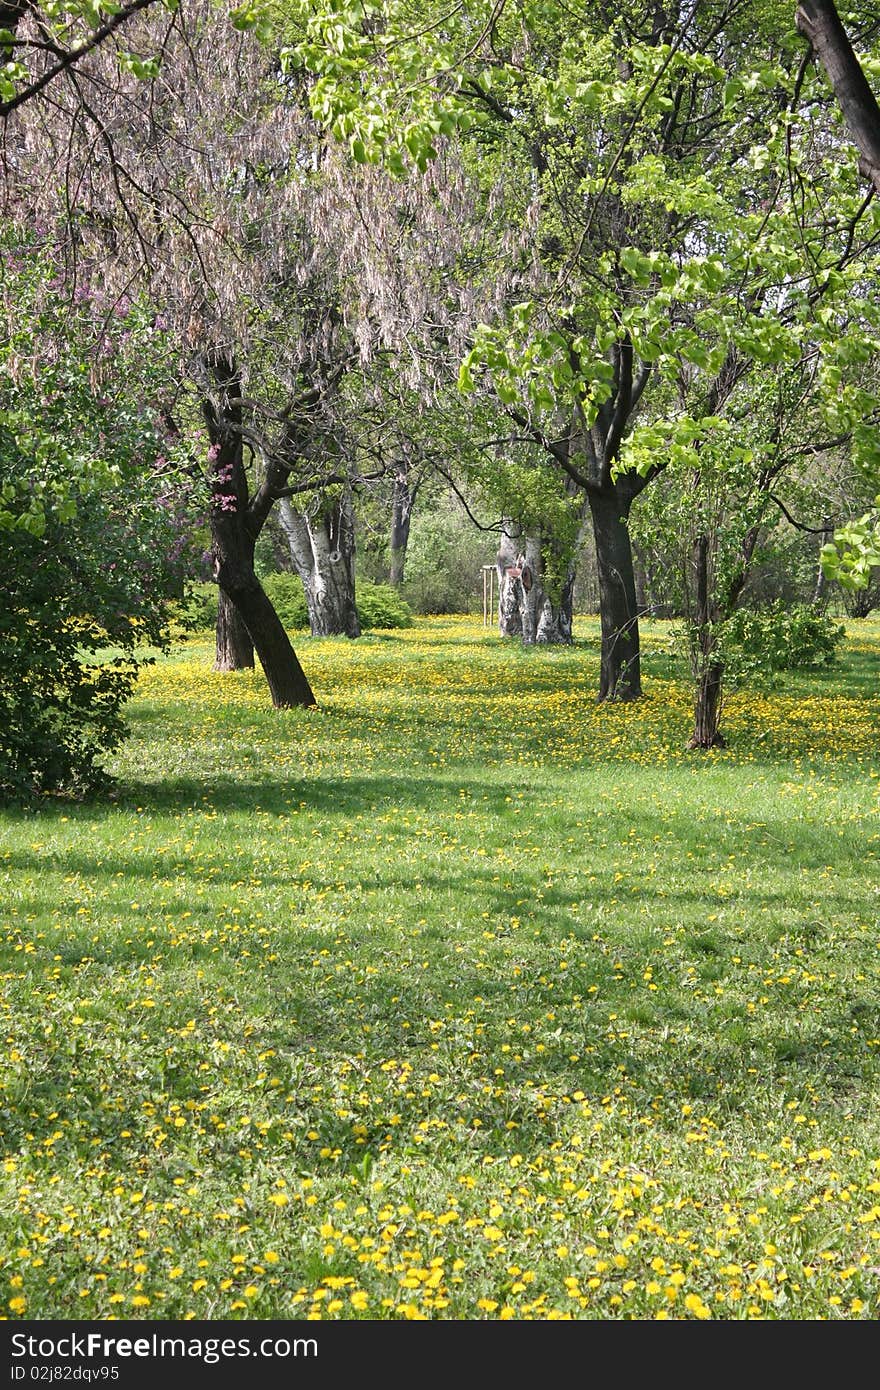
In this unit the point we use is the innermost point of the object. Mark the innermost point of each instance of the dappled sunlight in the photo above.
(459, 996)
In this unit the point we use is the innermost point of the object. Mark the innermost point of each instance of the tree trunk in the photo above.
(820, 592)
(509, 614)
(401, 514)
(642, 582)
(707, 707)
(322, 552)
(233, 538)
(708, 670)
(620, 675)
(861, 602)
(820, 24)
(542, 620)
(233, 551)
(234, 649)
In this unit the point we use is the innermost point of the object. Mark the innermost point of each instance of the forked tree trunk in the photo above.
(708, 669)
(322, 552)
(234, 650)
(862, 602)
(525, 608)
(620, 673)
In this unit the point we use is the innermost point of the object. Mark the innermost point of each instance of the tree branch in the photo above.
(820, 25)
(799, 525)
(73, 56)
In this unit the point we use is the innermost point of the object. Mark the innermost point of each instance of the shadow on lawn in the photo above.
(516, 833)
(664, 1050)
(493, 1102)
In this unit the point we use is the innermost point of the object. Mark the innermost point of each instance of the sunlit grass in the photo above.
(460, 996)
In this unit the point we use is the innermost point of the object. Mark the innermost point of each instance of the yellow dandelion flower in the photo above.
(695, 1305)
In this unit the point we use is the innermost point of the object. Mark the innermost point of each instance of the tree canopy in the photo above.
(605, 273)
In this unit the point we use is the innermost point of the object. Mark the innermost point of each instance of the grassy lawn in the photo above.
(457, 997)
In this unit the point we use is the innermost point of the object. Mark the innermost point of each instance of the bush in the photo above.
(288, 598)
(779, 638)
(380, 606)
(197, 610)
(93, 539)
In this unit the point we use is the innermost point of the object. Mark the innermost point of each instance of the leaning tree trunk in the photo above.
(234, 650)
(233, 537)
(233, 552)
(708, 668)
(620, 673)
(322, 552)
(821, 25)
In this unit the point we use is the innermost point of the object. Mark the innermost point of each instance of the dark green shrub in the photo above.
(197, 610)
(93, 528)
(288, 599)
(380, 606)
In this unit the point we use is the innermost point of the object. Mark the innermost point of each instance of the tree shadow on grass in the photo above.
(466, 1075)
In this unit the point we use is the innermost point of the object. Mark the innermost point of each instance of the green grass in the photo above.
(457, 997)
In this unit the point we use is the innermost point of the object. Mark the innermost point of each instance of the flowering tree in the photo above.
(41, 42)
(296, 285)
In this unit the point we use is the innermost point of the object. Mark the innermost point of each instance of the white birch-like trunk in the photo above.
(322, 552)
